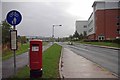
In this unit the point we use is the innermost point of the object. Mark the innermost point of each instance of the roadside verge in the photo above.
(101, 46)
(50, 61)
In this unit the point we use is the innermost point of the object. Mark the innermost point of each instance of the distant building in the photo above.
(81, 27)
(104, 21)
(39, 37)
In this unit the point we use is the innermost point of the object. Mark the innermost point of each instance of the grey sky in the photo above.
(38, 17)
(0, 12)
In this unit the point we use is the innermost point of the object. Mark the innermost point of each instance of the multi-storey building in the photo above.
(106, 19)
(104, 22)
(81, 27)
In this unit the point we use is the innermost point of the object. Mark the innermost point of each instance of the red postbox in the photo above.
(35, 58)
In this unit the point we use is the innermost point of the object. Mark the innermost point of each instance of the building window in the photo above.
(118, 17)
(118, 31)
(90, 30)
(101, 37)
(85, 26)
(118, 23)
(90, 23)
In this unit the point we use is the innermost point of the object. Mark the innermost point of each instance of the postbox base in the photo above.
(35, 73)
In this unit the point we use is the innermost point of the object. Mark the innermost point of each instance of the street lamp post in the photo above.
(53, 32)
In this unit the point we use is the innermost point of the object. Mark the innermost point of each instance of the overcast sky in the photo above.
(39, 17)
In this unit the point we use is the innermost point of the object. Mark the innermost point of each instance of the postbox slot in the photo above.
(35, 47)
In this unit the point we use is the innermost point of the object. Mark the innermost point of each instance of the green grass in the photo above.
(110, 44)
(24, 48)
(23, 73)
(45, 43)
(50, 64)
(9, 53)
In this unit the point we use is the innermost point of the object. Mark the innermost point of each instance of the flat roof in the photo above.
(81, 20)
(97, 2)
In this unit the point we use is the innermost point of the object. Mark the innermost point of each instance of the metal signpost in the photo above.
(14, 18)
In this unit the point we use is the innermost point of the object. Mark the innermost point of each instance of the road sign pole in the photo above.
(14, 18)
(14, 62)
(14, 52)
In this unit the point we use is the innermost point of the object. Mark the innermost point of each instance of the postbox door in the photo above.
(36, 56)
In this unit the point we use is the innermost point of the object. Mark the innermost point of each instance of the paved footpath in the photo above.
(76, 66)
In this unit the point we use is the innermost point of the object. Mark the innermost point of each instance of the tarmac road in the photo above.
(107, 58)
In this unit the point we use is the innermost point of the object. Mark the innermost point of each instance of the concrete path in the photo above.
(46, 47)
(75, 66)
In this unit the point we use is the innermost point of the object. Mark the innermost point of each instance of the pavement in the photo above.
(75, 66)
(8, 65)
(46, 47)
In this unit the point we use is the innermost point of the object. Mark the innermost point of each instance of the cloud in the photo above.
(38, 17)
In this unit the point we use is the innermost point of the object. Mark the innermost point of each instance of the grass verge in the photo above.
(23, 48)
(9, 53)
(51, 61)
(45, 43)
(50, 64)
(22, 73)
(110, 44)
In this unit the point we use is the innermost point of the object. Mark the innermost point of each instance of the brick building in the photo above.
(104, 22)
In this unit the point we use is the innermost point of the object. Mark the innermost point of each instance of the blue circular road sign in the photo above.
(14, 17)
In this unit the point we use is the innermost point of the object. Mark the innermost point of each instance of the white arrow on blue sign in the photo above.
(14, 17)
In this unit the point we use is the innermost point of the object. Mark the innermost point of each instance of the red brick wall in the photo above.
(100, 23)
(106, 23)
(111, 23)
(91, 37)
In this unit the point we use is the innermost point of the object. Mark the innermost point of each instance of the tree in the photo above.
(23, 39)
(18, 38)
(81, 36)
(5, 32)
(70, 37)
(76, 35)
(85, 34)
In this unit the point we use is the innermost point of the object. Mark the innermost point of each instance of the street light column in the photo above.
(53, 32)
